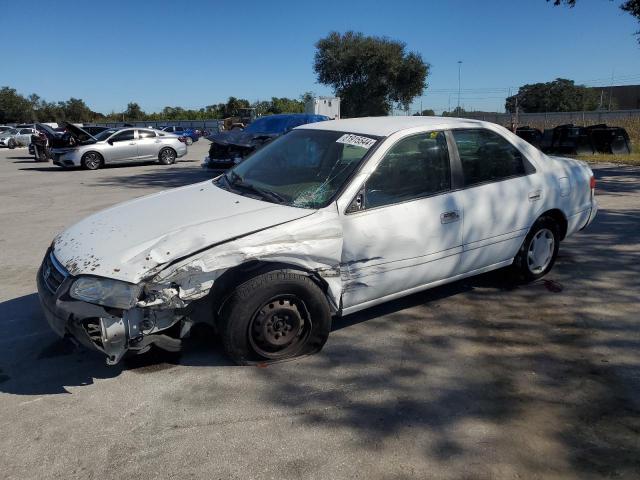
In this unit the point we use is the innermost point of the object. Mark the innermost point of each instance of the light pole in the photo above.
(459, 69)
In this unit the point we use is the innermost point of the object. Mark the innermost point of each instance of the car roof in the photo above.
(385, 126)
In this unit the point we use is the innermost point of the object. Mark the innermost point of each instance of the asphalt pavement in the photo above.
(480, 379)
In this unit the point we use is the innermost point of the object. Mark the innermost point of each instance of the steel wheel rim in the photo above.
(540, 251)
(279, 327)
(92, 161)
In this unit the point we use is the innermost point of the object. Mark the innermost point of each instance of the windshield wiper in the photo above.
(236, 181)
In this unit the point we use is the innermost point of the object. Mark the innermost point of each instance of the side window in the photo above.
(178, 129)
(123, 136)
(415, 167)
(146, 134)
(25, 130)
(487, 156)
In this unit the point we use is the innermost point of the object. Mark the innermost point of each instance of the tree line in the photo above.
(17, 108)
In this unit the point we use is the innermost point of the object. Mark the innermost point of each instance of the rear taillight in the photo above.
(182, 139)
(592, 182)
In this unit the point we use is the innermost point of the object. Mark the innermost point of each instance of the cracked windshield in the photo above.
(317, 163)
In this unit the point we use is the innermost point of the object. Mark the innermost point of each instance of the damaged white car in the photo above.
(332, 218)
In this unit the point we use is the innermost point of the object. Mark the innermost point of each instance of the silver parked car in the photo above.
(78, 148)
(17, 137)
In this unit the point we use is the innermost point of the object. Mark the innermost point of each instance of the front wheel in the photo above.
(274, 316)
(167, 156)
(11, 144)
(539, 250)
(91, 161)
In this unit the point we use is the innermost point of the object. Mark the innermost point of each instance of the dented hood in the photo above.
(135, 239)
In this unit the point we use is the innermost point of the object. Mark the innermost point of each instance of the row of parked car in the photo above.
(93, 146)
(573, 139)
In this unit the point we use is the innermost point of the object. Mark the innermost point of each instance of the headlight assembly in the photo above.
(104, 291)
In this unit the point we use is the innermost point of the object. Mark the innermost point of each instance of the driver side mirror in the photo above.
(110, 142)
(357, 204)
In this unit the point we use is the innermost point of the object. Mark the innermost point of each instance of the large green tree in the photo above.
(134, 112)
(369, 74)
(561, 95)
(14, 107)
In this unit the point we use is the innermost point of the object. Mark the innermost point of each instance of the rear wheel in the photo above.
(539, 250)
(92, 161)
(167, 156)
(189, 141)
(274, 316)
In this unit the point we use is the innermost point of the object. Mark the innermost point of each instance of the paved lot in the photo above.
(469, 381)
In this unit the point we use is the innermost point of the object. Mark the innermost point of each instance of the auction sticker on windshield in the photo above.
(356, 140)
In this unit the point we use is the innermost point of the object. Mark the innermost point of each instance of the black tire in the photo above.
(11, 144)
(273, 317)
(92, 161)
(167, 156)
(524, 265)
(188, 141)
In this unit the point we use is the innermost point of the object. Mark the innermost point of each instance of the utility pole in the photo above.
(611, 88)
(459, 69)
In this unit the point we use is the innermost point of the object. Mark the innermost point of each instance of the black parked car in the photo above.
(230, 147)
(531, 135)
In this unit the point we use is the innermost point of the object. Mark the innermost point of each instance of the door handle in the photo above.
(450, 217)
(535, 196)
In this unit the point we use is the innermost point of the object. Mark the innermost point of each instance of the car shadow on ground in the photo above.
(54, 168)
(165, 178)
(462, 369)
(35, 361)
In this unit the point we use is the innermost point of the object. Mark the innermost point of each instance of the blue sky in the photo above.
(197, 53)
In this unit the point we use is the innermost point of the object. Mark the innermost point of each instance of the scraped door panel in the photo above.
(395, 248)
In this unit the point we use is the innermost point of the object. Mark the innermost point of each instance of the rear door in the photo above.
(501, 196)
(122, 147)
(404, 229)
(148, 144)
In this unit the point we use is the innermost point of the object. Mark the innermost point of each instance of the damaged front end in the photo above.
(230, 148)
(116, 317)
(157, 318)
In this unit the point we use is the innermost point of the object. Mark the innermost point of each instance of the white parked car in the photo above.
(332, 218)
(17, 137)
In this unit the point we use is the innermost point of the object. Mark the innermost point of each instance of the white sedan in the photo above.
(327, 220)
(17, 137)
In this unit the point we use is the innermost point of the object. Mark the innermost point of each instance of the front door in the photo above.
(404, 229)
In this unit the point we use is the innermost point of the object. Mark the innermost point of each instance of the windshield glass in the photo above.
(304, 168)
(268, 125)
(105, 134)
(11, 131)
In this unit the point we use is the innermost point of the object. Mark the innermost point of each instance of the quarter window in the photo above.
(123, 136)
(415, 167)
(487, 156)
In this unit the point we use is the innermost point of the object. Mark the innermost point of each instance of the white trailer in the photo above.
(329, 106)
